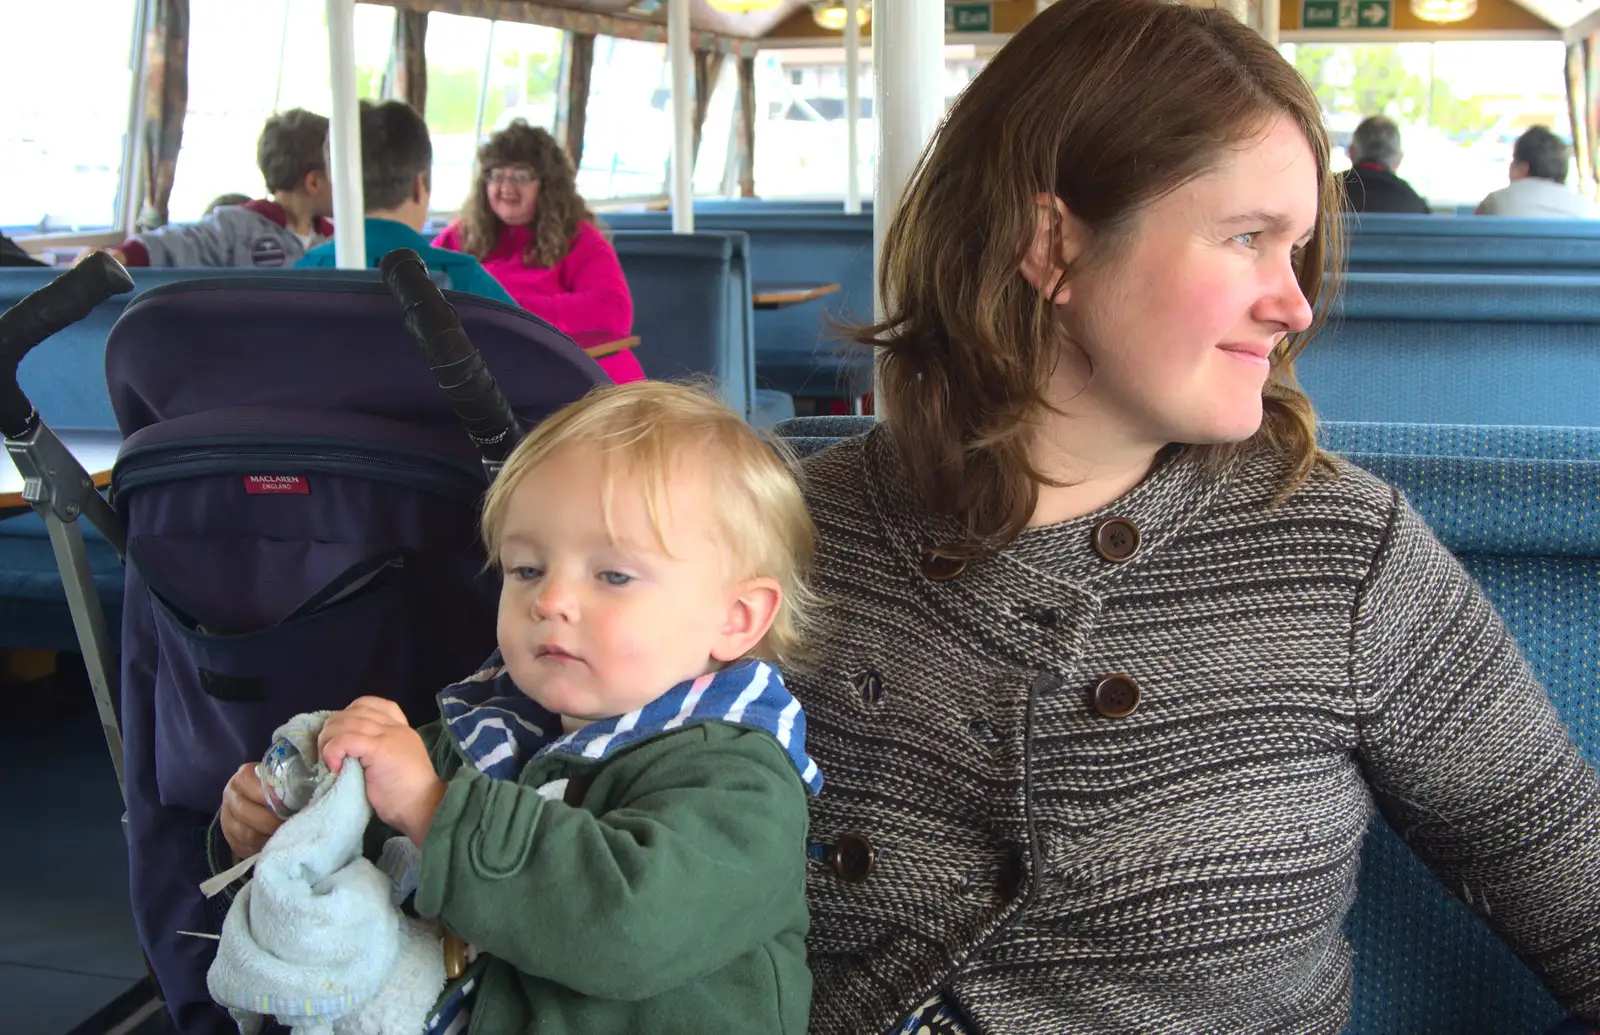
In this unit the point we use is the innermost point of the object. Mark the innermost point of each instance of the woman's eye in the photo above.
(615, 578)
(526, 572)
(1247, 239)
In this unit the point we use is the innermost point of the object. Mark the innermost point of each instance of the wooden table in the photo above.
(95, 448)
(777, 294)
(607, 348)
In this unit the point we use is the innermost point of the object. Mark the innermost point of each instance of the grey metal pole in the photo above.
(678, 52)
(852, 106)
(344, 139)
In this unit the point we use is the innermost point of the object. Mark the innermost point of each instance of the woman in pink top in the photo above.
(526, 223)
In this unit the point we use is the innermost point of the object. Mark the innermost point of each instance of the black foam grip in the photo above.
(60, 303)
(455, 363)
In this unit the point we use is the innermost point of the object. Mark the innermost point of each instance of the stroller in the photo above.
(296, 506)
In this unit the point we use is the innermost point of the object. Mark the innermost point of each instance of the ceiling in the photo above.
(702, 16)
(1562, 14)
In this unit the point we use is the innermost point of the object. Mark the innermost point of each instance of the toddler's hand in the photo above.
(401, 784)
(247, 822)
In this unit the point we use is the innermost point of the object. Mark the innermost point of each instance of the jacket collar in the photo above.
(500, 729)
(273, 212)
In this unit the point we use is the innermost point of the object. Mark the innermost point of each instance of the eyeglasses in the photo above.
(515, 177)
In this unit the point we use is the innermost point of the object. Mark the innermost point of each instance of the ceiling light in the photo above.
(743, 6)
(831, 14)
(1444, 11)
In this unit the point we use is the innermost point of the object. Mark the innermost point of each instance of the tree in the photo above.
(1371, 79)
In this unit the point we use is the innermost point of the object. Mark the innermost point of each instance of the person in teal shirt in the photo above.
(396, 183)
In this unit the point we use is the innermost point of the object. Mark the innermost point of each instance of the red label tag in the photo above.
(276, 485)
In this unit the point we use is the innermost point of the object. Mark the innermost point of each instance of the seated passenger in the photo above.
(1370, 184)
(526, 222)
(293, 156)
(1538, 187)
(613, 810)
(396, 183)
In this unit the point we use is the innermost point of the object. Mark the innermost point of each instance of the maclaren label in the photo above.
(276, 485)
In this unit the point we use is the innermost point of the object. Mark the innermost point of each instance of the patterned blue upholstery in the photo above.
(1521, 507)
(1459, 350)
(1375, 224)
(1391, 243)
(1524, 442)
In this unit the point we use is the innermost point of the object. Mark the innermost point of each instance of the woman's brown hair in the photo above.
(1108, 105)
(560, 209)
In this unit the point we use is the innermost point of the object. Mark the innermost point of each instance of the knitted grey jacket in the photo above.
(1059, 864)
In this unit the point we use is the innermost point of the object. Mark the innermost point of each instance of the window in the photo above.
(716, 135)
(524, 75)
(627, 135)
(800, 124)
(232, 89)
(456, 47)
(1460, 105)
(62, 124)
(523, 66)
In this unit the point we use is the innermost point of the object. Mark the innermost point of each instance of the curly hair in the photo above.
(560, 209)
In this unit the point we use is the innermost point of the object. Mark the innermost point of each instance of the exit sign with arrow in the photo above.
(1345, 14)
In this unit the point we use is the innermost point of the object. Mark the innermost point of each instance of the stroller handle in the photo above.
(456, 364)
(59, 304)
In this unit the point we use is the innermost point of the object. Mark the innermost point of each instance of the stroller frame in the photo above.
(54, 483)
(60, 491)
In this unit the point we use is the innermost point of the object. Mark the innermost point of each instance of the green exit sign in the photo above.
(1345, 14)
(969, 18)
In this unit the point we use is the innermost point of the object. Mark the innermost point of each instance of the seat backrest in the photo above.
(1459, 350)
(794, 246)
(321, 343)
(1520, 506)
(1489, 255)
(1369, 224)
(1528, 529)
(685, 308)
(65, 376)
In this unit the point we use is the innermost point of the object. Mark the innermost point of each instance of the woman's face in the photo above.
(513, 194)
(1179, 321)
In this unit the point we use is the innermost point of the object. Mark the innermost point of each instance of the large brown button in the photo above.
(941, 568)
(1116, 697)
(1116, 539)
(852, 858)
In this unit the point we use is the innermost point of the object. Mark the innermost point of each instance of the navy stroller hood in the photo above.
(301, 511)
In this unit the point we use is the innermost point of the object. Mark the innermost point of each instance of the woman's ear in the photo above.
(1058, 239)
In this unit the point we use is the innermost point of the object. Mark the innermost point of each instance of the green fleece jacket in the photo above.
(670, 898)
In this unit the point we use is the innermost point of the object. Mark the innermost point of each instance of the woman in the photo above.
(526, 223)
(1103, 713)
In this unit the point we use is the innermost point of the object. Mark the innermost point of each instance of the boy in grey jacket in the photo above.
(292, 154)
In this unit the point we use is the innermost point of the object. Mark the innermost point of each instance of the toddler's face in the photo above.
(595, 622)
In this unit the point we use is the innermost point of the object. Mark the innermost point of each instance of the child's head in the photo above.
(396, 160)
(292, 154)
(646, 536)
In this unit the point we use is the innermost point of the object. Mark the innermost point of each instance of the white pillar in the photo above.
(682, 59)
(130, 183)
(344, 139)
(852, 106)
(1270, 21)
(908, 75)
(483, 86)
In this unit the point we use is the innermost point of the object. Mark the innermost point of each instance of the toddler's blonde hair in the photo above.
(645, 427)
